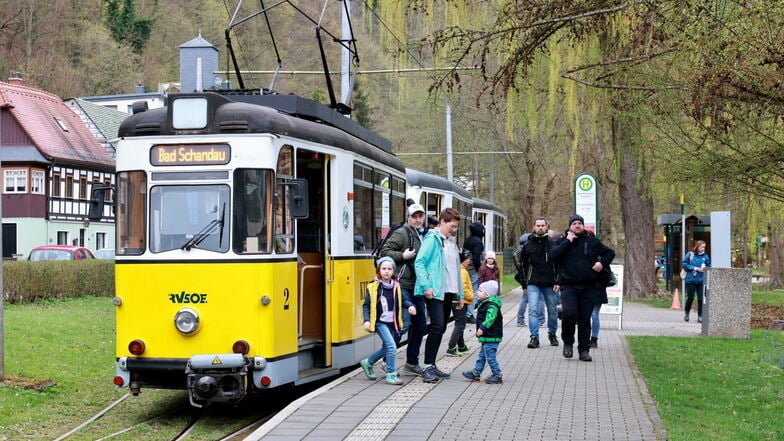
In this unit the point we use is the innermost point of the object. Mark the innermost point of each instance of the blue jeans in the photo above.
(536, 309)
(387, 351)
(595, 320)
(524, 306)
(416, 332)
(487, 354)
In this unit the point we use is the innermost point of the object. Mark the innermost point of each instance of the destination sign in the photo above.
(190, 154)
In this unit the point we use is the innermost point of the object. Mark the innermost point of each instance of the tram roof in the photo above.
(487, 205)
(285, 115)
(422, 179)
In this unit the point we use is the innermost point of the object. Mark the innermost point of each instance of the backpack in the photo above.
(392, 228)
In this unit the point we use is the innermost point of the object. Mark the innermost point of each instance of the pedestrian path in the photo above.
(544, 396)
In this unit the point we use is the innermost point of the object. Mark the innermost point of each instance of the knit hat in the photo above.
(464, 254)
(576, 217)
(490, 255)
(490, 287)
(386, 259)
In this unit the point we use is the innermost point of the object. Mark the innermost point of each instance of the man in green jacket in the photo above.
(403, 246)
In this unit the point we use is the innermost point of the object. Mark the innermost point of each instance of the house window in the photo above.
(100, 241)
(62, 238)
(56, 190)
(83, 188)
(16, 181)
(107, 195)
(69, 186)
(61, 123)
(37, 182)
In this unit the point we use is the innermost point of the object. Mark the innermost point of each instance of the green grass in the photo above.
(712, 389)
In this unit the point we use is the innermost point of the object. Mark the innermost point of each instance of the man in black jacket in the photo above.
(581, 258)
(539, 282)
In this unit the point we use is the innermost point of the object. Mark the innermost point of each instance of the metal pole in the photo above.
(449, 142)
(345, 56)
(683, 242)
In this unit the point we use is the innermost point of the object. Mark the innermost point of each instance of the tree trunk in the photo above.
(637, 213)
(776, 264)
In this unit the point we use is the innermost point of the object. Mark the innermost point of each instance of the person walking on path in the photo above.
(694, 263)
(437, 267)
(383, 314)
(489, 332)
(520, 278)
(539, 276)
(475, 245)
(457, 346)
(403, 246)
(580, 258)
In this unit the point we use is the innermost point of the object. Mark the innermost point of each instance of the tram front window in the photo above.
(189, 216)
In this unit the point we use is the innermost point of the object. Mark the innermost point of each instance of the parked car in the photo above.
(105, 253)
(59, 252)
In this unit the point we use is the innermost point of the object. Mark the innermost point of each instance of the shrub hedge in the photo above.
(25, 281)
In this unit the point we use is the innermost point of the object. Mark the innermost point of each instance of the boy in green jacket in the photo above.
(489, 332)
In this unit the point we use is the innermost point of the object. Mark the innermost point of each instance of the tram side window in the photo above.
(284, 225)
(363, 208)
(381, 206)
(398, 211)
(131, 219)
(252, 211)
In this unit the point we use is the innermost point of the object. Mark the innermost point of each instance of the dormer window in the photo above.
(61, 123)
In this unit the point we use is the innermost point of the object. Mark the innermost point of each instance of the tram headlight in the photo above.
(186, 321)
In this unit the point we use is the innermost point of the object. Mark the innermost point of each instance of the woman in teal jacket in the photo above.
(437, 268)
(694, 263)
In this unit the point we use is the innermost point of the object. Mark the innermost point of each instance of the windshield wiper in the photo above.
(206, 231)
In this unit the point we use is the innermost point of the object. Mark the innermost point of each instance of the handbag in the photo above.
(683, 271)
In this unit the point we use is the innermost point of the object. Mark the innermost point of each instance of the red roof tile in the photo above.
(38, 112)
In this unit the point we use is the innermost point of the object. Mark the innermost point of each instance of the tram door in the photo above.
(311, 244)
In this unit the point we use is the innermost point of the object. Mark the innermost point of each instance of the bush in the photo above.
(25, 281)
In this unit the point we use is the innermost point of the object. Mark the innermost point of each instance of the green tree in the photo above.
(125, 28)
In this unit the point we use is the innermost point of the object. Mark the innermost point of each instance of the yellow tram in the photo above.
(245, 225)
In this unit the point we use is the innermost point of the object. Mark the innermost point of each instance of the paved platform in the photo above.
(544, 396)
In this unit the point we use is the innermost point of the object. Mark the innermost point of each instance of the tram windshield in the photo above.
(189, 216)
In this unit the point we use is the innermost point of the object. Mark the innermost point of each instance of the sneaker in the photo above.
(471, 320)
(521, 325)
(393, 380)
(494, 379)
(567, 351)
(441, 374)
(464, 348)
(453, 352)
(553, 339)
(429, 375)
(410, 369)
(686, 317)
(472, 375)
(699, 319)
(594, 343)
(585, 356)
(534, 343)
(368, 368)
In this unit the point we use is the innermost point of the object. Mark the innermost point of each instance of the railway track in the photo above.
(169, 416)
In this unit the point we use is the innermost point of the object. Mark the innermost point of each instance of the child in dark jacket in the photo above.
(489, 332)
(383, 314)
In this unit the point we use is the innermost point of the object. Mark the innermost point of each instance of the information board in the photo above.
(614, 303)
